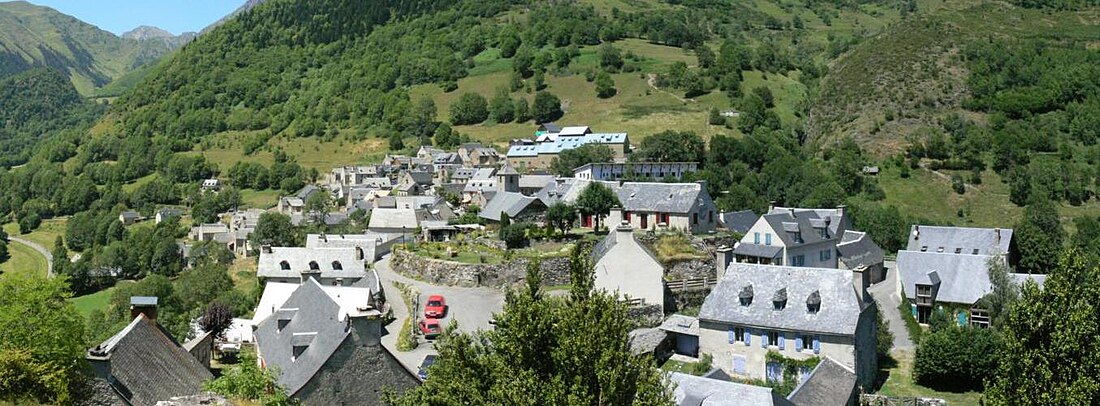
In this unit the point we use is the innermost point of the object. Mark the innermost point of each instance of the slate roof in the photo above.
(661, 197)
(611, 240)
(393, 219)
(507, 170)
(564, 143)
(350, 298)
(314, 241)
(314, 316)
(132, 215)
(857, 249)
(968, 239)
(306, 191)
(829, 384)
(421, 178)
(840, 304)
(962, 278)
(463, 173)
(550, 127)
(148, 365)
(646, 340)
(509, 202)
(796, 227)
(699, 391)
(535, 181)
(757, 250)
(299, 259)
(837, 222)
(681, 324)
(738, 221)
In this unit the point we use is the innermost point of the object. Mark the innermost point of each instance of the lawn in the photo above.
(45, 235)
(226, 149)
(260, 199)
(95, 301)
(900, 383)
(24, 261)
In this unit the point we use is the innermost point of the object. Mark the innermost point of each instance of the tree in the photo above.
(216, 319)
(753, 114)
(765, 94)
(705, 56)
(247, 380)
(671, 146)
(597, 200)
(715, 117)
(523, 111)
(1052, 339)
(4, 256)
(1005, 292)
(274, 230)
(610, 57)
(605, 86)
(956, 358)
(545, 350)
(547, 108)
(1039, 237)
(502, 109)
(571, 159)
(514, 235)
(317, 206)
(201, 285)
(34, 307)
(396, 142)
(470, 109)
(561, 216)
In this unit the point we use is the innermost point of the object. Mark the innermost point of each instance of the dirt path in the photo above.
(652, 81)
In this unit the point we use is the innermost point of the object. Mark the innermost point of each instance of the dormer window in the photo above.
(746, 295)
(924, 248)
(940, 250)
(284, 266)
(779, 300)
(958, 250)
(975, 252)
(313, 266)
(337, 266)
(813, 302)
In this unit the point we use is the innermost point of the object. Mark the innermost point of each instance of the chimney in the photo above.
(314, 274)
(771, 206)
(792, 212)
(860, 281)
(146, 305)
(723, 259)
(324, 238)
(100, 360)
(266, 249)
(840, 210)
(368, 328)
(916, 232)
(997, 237)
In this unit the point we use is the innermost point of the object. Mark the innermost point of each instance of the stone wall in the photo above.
(693, 269)
(646, 316)
(555, 271)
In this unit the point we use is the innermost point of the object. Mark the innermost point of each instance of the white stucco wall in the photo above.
(630, 270)
(714, 340)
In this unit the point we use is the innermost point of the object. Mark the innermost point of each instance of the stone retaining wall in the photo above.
(693, 269)
(555, 271)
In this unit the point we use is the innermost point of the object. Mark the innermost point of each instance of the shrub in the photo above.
(956, 358)
(515, 235)
(248, 381)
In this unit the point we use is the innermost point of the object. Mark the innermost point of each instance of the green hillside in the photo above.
(33, 36)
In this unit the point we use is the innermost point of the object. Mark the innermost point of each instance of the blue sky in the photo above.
(119, 16)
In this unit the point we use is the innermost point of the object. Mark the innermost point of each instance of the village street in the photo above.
(888, 296)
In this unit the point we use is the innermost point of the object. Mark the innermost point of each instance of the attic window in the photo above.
(284, 266)
(924, 248)
(313, 266)
(336, 266)
(779, 301)
(746, 295)
(940, 250)
(975, 252)
(958, 250)
(813, 303)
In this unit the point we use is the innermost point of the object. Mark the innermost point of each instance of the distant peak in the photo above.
(147, 32)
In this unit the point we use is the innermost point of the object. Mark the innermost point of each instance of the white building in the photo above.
(635, 170)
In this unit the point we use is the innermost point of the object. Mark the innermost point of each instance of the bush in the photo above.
(515, 235)
(248, 381)
(471, 108)
(406, 339)
(957, 184)
(956, 358)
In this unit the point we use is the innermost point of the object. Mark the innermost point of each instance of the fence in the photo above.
(685, 285)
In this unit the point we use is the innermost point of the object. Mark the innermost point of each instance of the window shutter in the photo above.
(763, 339)
(782, 341)
(748, 337)
(913, 307)
(817, 345)
(798, 342)
(731, 335)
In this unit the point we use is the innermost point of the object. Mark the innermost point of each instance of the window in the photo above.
(975, 252)
(774, 372)
(924, 290)
(313, 266)
(824, 232)
(807, 342)
(779, 304)
(694, 218)
(284, 266)
(768, 239)
(798, 260)
(773, 338)
(756, 238)
(924, 248)
(710, 215)
(958, 250)
(939, 250)
(813, 308)
(627, 215)
(337, 266)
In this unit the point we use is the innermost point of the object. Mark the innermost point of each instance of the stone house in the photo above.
(129, 217)
(143, 364)
(795, 237)
(167, 213)
(343, 266)
(516, 205)
(857, 250)
(296, 203)
(626, 266)
(652, 171)
(477, 155)
(675, 206)
(326, 344)
(790, 312)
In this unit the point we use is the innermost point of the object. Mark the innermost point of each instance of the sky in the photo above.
(119, 16)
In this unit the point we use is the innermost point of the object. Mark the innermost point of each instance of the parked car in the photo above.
(436, 307)
(423, 372)
(430, 328)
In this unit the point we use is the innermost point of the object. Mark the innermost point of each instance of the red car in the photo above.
(430, 328)
(436, 307)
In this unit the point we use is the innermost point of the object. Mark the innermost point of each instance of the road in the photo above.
(888, 296)
(471, 308)
(41, 250)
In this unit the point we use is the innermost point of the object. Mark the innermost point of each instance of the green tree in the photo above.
(546, 108)
(1005, 292)
(571, 159)
(247, 380)
(1052, 339)
(753, 114)
(502, 109)
(671, 146)
(561, 216)
(605, 86)
(523, 111)
(471, 108)
(318, 206)
(1039, 237)
(715, 117)
(610, 57)
(545, 350)
(956, 358)
(275, 230)
(597, 200)
(198, 286)
(41, 341)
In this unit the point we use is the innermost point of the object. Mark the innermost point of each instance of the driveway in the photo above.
(888, 296)
(471, 308)
(41, 250)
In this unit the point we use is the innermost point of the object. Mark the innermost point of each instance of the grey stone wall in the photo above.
(646, 316)
(697, 268)
(555, 271)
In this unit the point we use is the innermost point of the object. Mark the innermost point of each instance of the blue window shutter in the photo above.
(962, 319)
(748, 336)
(817, 345)
(763, 339)
(731, 336)
(756, 238)
(782, 341)
(798, 342)
(913, 307)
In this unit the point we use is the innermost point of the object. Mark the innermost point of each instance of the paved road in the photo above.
(888, 295)
(471, 308)
(41, 250)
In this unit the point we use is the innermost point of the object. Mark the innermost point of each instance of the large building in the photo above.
(654, 171)
(676, 206)
(795, 237)
(796, 312)
(540, 153)
(344, 266)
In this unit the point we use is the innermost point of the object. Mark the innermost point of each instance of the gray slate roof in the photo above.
(758, 250)
(148, 365)
(840, 304)
(738, 221)
(985, 240)
(699, 391)
(393, 219)
(681, 324)
(857, 249)
(299, 259)
(790, 223)
(508, 202)
(962, 278)
(829, 384)
(535, 181)
(661, 197)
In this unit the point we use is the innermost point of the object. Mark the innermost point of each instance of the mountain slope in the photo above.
(33, 36)
(34, 105)
(148, 33)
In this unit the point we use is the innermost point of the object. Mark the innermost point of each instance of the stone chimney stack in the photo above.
(146, 305)
(771, 206)
(841, 210)
(916, 232)
(266, 249)
(997, 237)
(723, 259)
(311, 274)
(861, 280)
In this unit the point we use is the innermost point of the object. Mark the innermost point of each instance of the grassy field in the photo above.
(900, 383)
(260, 199)
(226, 149)
(95, 301)
(45, 235)
(24, 261)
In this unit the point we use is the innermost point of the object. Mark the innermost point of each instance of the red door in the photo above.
(588, 221)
